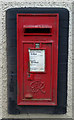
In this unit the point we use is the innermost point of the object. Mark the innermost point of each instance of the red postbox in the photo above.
(37, 59)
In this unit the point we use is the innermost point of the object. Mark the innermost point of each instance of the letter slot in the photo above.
(37, 30)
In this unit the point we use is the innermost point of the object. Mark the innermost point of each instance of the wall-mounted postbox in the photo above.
(37, 59)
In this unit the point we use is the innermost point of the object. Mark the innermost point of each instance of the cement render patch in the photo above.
(6, 5)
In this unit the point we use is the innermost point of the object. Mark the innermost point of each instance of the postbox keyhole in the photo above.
(28, 75)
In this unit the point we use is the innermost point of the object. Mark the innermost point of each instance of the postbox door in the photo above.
(37, 73)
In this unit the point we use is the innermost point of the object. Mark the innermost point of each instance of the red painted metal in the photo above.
(37, 88)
